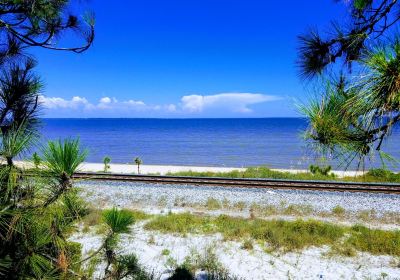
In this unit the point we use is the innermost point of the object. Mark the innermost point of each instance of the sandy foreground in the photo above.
(312, 263)
(151, 246)
(256, 263)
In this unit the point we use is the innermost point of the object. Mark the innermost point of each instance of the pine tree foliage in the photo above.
(358, 63)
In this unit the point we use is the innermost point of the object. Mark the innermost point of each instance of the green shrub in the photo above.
(298, 209)
(247, 244)
(375, 241)
(180, 223)
(118, 220)
(181, 273)
(338, 210)
(213, 204)
(36, 160)
(106, 162)
(240, 205)
(315, 169)
(380, 173)
(165, 252)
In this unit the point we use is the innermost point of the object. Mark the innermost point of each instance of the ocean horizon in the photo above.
(233, 142)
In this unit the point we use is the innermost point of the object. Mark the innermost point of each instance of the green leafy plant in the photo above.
(138, 161)
(325, 171)
(63, 157)
(36, 160)
(35, 221)
(106, 161)
(118, 220)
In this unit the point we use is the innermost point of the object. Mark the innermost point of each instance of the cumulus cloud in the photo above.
(236, 102)
(78, 102)
(189, 104)
(57, 102)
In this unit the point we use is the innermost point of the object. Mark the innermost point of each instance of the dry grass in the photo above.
(240, 205)
(247, 244)
(298, 210)
(213, 204)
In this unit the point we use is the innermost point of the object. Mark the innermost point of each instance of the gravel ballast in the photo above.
(125, 194)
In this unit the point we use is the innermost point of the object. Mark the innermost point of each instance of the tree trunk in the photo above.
(9, 161)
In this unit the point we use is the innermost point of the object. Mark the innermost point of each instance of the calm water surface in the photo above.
(275, 142)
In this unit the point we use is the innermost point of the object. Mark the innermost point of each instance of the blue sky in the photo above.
(208, 58)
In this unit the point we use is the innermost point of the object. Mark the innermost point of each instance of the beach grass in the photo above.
(283, 235)
(274, 235)
(373, 175)
(95, 216)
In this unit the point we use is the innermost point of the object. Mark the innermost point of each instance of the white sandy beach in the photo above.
(125, 168)
(164, 169)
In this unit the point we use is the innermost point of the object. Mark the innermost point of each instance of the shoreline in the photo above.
(146, 169)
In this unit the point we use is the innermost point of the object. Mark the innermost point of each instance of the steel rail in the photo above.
(246, 182)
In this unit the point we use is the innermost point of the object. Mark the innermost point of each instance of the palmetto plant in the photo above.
(35, 214)
(106, 161)
(118, 266)
(118, 220)
(62, 158)
(138, 161)
(36, 160)
(61, 161)
(16, 141)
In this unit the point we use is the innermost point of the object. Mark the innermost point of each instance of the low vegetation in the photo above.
(325, 171)
(94, 216)
(283, 235)
(373, 175)
(138, 161)
(213, 204)
(338, 211)
(206, 261)
(36, 160)
(106, 162)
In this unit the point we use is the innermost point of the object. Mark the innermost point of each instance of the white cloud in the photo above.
(189, 105)
(105, 100)
(135, 103)
(235, 102)
(57, 102)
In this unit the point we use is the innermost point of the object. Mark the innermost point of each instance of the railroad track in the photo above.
(246, 182)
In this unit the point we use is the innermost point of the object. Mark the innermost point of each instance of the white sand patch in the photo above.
(312, 263)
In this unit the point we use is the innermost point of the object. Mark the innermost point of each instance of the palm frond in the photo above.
(118, 220)
(63, 157)
(17, 141)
